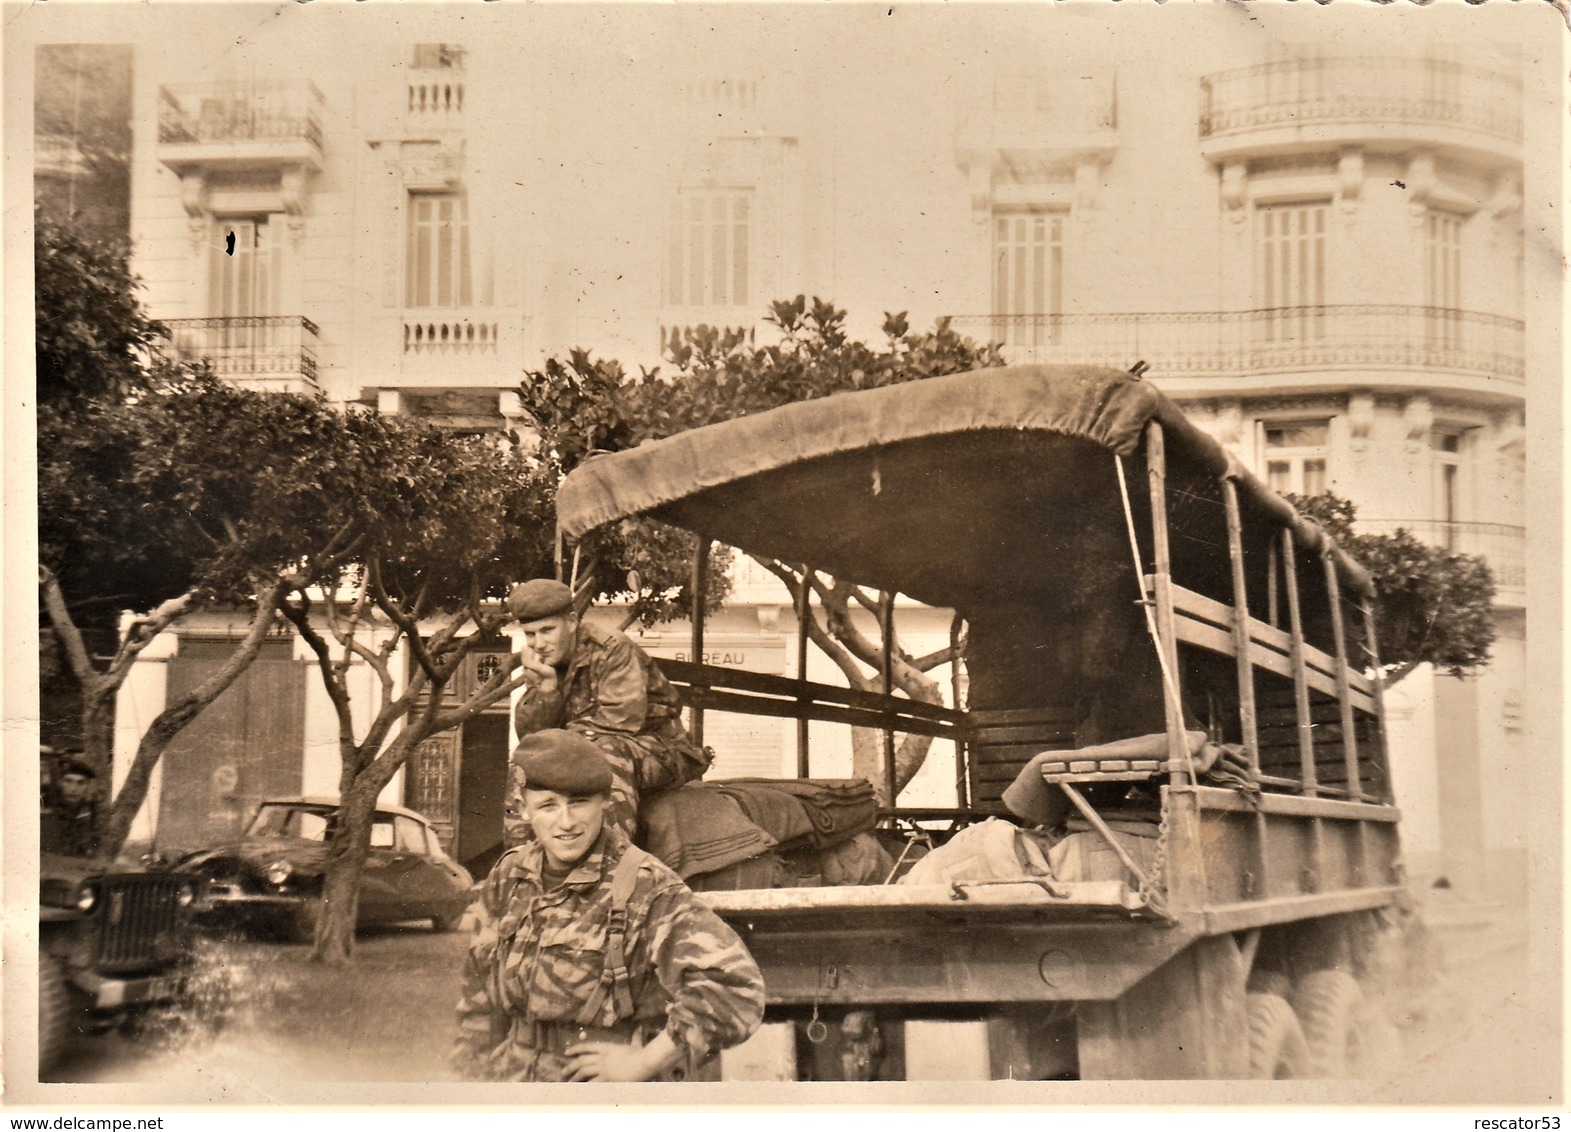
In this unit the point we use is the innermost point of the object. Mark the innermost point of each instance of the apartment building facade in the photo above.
(1317, 248)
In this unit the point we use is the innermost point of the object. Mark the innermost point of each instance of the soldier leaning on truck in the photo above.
(597, 682)
(591, 960)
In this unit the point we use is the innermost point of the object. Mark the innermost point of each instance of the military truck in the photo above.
(1134, 603)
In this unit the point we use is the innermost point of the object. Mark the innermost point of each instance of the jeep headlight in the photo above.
(185, 895)
(86, 898)
(278, 872)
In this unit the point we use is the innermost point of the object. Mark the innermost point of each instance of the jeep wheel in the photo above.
(1277, 1050)
(446, 923)
(54, 1012)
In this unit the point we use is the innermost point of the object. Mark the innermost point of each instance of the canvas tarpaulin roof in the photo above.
(943, 488)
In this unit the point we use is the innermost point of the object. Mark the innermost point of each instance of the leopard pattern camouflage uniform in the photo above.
(615, 696)
(537, 957)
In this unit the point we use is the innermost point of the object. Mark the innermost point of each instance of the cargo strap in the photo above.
(614, 979)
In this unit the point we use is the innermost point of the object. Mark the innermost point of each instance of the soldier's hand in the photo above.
(607, 1061)
(544, 674)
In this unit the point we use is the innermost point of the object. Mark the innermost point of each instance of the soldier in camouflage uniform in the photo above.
(591, 960)
(597, 682)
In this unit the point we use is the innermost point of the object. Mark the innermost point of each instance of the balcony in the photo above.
(1499, 544)
(57, 155)
(434, 99)
(732, 106)
(447, 334)
(1383, 338)
(234, 126)
(1032, 122)
(1304, 104)
(272, 353)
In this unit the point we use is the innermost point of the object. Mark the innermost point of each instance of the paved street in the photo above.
(389, 1019)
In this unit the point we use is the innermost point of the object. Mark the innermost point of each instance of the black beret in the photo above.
(563, 762)
(539, 598)
(69, 763)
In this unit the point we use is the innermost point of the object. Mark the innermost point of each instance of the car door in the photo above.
(428, 887)
(384, 878)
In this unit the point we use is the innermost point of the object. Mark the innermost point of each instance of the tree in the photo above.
(443, 525)
(582, 406)
(191, 495)
(93, 339)
(1432, 605)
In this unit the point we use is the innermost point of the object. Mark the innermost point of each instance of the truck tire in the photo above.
(1330, 1008)
(54, 1012)
(1277, 1050)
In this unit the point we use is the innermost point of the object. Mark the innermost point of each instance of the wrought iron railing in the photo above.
(1303, 92)
(237, 112)
(1270, 340)
(274, 346)
(1502, 545)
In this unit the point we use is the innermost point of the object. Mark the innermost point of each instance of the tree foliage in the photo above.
(582, 405)
(192, 494)
(93, 338)
(1433, 605)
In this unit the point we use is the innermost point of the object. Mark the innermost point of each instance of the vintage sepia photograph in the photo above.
(571, 554)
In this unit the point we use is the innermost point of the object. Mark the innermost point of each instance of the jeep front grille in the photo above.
(139, 922)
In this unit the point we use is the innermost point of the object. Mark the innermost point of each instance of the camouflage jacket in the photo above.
(612, 691)
(536, 957)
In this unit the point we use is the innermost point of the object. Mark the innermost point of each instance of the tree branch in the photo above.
(65, 628)
(175, 716)
(334, 675)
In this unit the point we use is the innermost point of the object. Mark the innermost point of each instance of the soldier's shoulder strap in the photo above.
(615, 979)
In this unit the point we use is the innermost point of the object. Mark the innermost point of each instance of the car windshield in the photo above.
(291, 821)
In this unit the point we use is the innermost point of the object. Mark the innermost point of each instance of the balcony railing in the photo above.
(58, 155)
(1026, 112)
(1499, 544)
(275, 350)
(1304, 92)
(239, 112)
(435, 97)
(446, 334)
(1280, 339)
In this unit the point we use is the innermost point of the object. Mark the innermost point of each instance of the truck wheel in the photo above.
(1277, 1051)
(54, 1012)
(1330, 1006)
(446, 923)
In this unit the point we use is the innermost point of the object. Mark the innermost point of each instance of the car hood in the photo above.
(304, 857)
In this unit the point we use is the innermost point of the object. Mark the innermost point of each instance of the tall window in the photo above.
(436, 269)
(243, 289)
(1292, 269)
(1447, 445)
(1028, 276)
(243, 281)
(709, 243)
(1296, 454)
(1443, 276)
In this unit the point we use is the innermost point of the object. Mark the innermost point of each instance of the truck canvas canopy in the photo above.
(997, 472)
